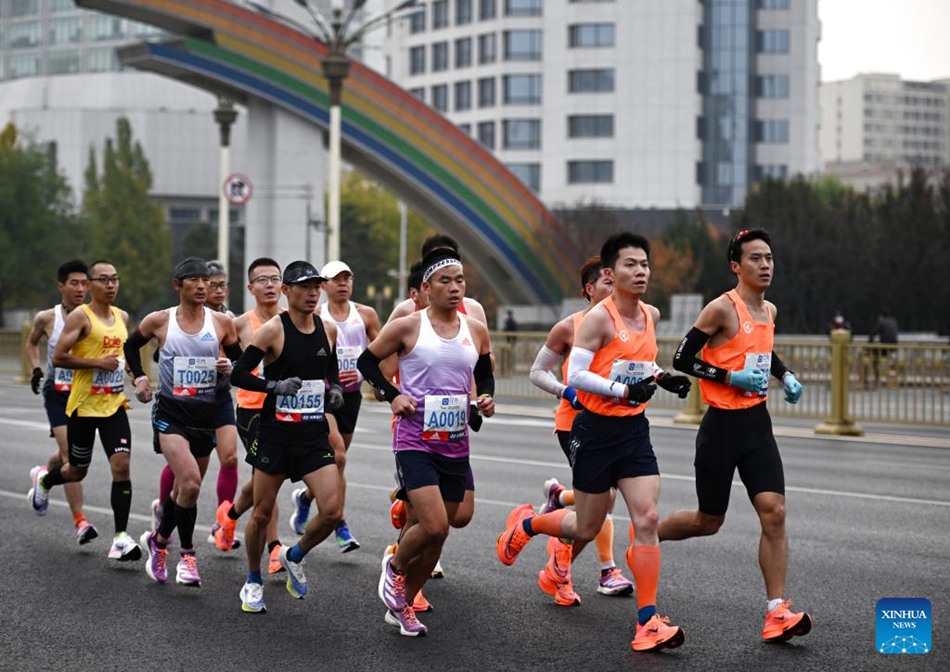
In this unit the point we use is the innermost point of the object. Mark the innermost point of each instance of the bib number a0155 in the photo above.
(445, 417)
(62, 379)
(758, 360)
(305, 406)
(193, 376)
(629, 372)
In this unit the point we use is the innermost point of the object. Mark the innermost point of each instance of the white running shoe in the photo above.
(252, 598)
(38, 496)
(124, 548)
(437, 571)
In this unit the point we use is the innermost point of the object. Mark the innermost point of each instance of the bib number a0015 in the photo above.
(445, 417)
(305, 406)
(193, 376)
(62, 379)
(629, 372)
(758, 360)
(108, 382)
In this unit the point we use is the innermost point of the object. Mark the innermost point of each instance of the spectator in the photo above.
(884, 329)
(510, 323)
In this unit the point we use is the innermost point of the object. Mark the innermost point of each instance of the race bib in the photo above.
(305, 406)
(628, 372)
(758, 360)
(347, 355)
(193, 376)
(445, 417)
(62, 379)
(107, 382)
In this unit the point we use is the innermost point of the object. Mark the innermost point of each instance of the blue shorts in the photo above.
(606, 449)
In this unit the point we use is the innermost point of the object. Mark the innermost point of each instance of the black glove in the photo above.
(678, 385)
(289, 386)
(642, 391)
(36, 379)
(475, 418)
(334, 398)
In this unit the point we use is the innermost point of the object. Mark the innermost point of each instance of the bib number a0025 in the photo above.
(445, 417)
(62, 379)
(193, 376)
(629, 372)
(305, 406)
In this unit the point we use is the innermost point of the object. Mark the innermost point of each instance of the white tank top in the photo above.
(62, 378)
(187, 362)
(350, 341)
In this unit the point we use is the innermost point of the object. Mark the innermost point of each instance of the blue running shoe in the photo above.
(298, 519)
(346, 541)
(296, 579)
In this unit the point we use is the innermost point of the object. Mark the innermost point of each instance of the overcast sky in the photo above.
(907, 37)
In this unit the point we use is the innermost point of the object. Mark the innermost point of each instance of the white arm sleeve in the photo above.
(541, 374)
(581, 377)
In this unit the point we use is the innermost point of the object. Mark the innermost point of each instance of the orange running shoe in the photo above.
(658, 634)
(224, 535)
(397, 514)
(275, 566)
(555, 578)
(781, 624)
(513, 539)
(420, 604)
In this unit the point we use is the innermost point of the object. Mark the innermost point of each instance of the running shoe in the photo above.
(613, 582)
(224, 536)
(298, 519)
(186, 573)
(555, 578)
(252, 598)
(420, 604)
(437, 571)
(513, 539)
(212, 538)
(124, 548)
(296, 579)
(781, 624)
(157, 517)
(658, 634)
(397, 514)
(346, 541)
(552, 491)
(156, 564)
(392, 586)
(38, 496)
(405, 619)
(273, 564)
(85, 532)
(391, 549)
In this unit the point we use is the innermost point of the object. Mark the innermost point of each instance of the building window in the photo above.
(65, 31)
(523, 7)
(103, 27)
(486, 48)
(463, 96)
(486, 133)
(440, 97)
(487, 9)
(417, 21)
(419, 93)
(417, 60)
(590, 172)
(590, 35)
(599, 80)
(23, 65)
(521, 89)
(772, 4)
(463, 52)
(62, 62)
(440, 56)
(101, 60)
(23, 35)
(521, 134)
(529, 173)
(486, 92)
(466, 129)
(772, 86)
(772, 41)
(522, 45)
(776, 171)
(20, 8)
(56, 6)
(772, 131)
(440, 14)
(590, 126)
(463, 12)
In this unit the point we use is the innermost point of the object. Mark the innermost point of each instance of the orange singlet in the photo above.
(628, 358)
(751, 346)
(565, 414)
(246, 398)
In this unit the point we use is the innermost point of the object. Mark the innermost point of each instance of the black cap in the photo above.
(192, 267)
(301, 271)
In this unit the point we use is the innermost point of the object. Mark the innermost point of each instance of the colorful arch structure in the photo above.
(503, 228)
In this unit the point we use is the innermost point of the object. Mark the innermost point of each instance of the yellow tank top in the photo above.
(98, 393)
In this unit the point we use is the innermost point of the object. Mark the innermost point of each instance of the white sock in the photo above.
(560, 497)
(607, 565)
(772, 604)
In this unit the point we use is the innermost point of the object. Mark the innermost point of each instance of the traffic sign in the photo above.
(238, 188)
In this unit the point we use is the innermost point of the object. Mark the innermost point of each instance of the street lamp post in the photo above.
(225, 115)
(338, 36)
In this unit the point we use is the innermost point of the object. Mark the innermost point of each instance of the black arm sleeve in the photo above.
(133, 344)
(242, 377)
(233, 351)
(333, 368)
(778, 367)
(368, 365)
(685, 359)
(484, 378)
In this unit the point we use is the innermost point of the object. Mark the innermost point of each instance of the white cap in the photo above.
(333, 268)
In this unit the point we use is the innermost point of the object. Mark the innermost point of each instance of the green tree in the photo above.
(37, 222)
(126, 226)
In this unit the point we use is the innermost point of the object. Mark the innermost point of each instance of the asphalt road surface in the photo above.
(867, 519)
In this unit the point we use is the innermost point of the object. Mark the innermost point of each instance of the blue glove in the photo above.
(793, 388)
(750, 380)
(570, 395)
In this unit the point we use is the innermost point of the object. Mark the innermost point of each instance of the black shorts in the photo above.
(225, 411)
(346, 416)
(606, 449)
(564, 440)
(417, 469)
(55, 404)
(291, 459)
(248, 422)
(731, 439)
(115, 435)
(201, 440)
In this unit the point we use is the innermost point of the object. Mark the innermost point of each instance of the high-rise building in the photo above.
(630, 103)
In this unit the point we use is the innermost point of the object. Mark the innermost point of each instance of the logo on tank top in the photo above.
(207, 336)
(111, 342)
(321, 353)
(622, 335)
(465, 341)
(747, 327)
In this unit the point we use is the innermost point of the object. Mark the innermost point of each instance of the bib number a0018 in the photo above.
(108, 382)
(629, 372)
(62, 379)
(445, 417)
(305, 406)
(193, 376)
